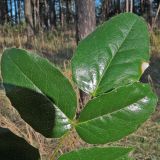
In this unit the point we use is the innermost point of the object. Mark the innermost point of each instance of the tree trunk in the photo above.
(149, 11)
(15, 11)
(62, 13)
(127, 5)
(131, 6)
(46, 14)
(11, 13)
(60, 10)
(67, 12)
(19, 11)
(29, 20)
(105, 9)
(86, 23)
(36, 18)
(52, 14)
(3, 12)
(118, 6)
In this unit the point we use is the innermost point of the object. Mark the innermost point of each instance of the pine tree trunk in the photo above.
(3, 12)
(29, 20)
(127, 5)
(15, 11)
(19, 10)
(86, 23)
(105, 9)
(149, 11)
(53, 17)
(67, 12)
(131, 6)
(11, 13)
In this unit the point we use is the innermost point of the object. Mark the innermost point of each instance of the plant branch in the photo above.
(59, 145)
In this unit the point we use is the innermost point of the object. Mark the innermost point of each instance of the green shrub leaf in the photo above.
(116, 114)
(112, 55)
(15, 148)
(25, 71)
(96, 153)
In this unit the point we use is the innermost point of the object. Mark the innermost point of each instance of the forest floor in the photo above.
(59, 47)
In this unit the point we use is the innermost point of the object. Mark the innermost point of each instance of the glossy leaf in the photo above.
(112, 153)
(22, 69)
(15, 148)
(112, 55)
(116, 114)
(38, 111)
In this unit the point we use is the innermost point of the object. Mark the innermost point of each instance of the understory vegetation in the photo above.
(58, 47)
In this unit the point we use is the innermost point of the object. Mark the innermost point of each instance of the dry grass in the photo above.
(10, 118)
(58, 47)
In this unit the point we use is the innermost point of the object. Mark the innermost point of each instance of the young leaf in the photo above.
(116, 114)
(28, 71)
(112, 55)
(15, 148)
(97, 153)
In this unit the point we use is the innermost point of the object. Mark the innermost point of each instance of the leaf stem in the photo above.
(59, 145)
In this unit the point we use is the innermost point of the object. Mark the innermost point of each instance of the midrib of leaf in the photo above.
(110, 113)
(106, 68)
(32, 82)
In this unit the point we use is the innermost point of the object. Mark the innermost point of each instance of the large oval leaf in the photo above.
(28, 71)
(116, 114)
(112, 55)
(15, 148)
(38, 111)
(96, 153)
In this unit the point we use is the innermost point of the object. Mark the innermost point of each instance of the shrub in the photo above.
(107, 66)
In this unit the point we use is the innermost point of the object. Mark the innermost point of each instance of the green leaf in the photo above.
(28, 71)
(38, 111)
(15, 148)
(97, 153)
(112, 55)
(116, 114)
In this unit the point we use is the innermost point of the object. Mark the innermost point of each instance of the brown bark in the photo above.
(86, 23)
(36, 17)
(29, 21)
